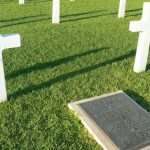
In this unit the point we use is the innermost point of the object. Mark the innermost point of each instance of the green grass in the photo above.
(90, 53)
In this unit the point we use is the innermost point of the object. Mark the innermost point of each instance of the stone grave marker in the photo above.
(6, 41)
(122, 8)
(142, 26)
(116, 121)
(56, 12)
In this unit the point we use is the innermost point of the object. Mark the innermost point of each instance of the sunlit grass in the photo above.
(90, 53)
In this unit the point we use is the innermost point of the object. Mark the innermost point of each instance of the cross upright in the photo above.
(56, 12)
(122, 7)
(6, 41)
(142, 26)
(21, 2)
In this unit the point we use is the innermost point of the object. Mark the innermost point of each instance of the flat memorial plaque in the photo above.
(116, 121)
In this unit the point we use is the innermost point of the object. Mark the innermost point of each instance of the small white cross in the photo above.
(56, 12)
(142, 26)
(122, 8)
(6, 41)
(21, 2)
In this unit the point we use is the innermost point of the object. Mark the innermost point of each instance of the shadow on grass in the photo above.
(28, 17)
(41, 1)
(87, 17)
(148, 67)
(67, 76)
(139, 14)
(24, 20)
(139, 99)
(98, 15)
(51, 64)
(31, 19)
(5, 2)
(84, 13)
(42, 17)
(134, 10)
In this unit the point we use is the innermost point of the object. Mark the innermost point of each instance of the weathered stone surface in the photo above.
(115, 121)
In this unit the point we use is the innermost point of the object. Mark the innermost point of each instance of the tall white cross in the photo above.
(6, 41)
(122, 8)
(142, 26)
(21, 1)
(56, 12)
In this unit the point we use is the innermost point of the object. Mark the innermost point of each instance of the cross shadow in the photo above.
(66, 76)
(5, 2)
(134, 10)
(42, 17)
(139, 99)
(24, 20)
(97, 15)
(139, 14)
(148, 67)
(41, 1)
(87, 17)
(28, 17)
(84, 13)
(51, 64)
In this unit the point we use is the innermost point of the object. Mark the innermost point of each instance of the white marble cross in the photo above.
(142, 26)
(6, 41)
(122, 8)
(56, 12)
(21, 1)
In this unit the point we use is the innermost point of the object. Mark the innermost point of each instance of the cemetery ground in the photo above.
(91, 52)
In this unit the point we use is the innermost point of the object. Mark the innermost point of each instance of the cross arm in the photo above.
(9, 41)
(137, 26)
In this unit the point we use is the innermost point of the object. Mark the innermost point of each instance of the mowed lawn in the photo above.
(90, 53)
